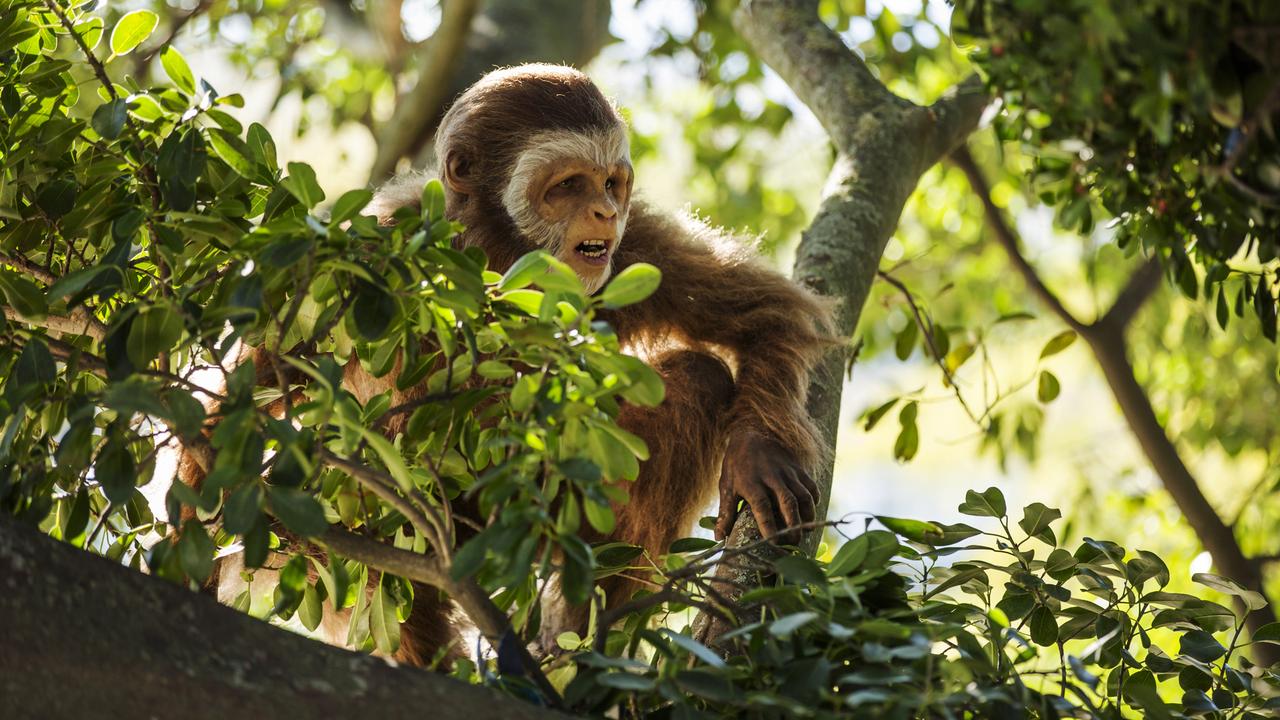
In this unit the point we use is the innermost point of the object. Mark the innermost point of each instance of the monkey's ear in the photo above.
(457, 173)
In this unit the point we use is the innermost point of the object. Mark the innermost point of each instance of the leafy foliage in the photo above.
(936, 620)
(1159, 115)
(146, 236)
(152, 237)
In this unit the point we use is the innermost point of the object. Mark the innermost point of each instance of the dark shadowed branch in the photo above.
(1008, 240)
(144, 647)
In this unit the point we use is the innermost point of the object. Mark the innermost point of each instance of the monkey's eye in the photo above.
(566, 183)
(608, 184)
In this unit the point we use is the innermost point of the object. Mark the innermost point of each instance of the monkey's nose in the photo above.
(604, 212)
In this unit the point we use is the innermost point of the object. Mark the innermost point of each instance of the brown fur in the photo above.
(716, 309)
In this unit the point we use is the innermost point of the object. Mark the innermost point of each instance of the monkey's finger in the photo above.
(761, 508)
(728, 512)
(807, 481)
(807, 499)
(788, 506)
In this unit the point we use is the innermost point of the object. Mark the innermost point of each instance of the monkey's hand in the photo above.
(762, 472)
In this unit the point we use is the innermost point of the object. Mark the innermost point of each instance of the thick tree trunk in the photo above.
(883, 144)
(84, 637)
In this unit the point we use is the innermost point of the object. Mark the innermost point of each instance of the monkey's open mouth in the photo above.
(595, 252)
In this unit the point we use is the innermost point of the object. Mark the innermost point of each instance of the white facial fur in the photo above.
(603, 148)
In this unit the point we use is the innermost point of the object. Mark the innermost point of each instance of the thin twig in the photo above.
(926, 329)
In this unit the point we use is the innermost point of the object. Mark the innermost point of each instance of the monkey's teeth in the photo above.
(593, 249)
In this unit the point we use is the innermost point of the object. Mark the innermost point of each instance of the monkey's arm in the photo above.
(713, 293)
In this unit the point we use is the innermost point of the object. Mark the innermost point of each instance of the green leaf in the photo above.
(800, 570)
(23, 296)
(988, 503)
(788, 624)
(523, 271)
(1060, 565)
(108, 119)
(114, 470)
(232, 151)
(302, 184)
(68, 285)
(1043, 626)
(132, 30)
(298, 510)
(494, 370)
(373, 311)
(57, 197)
(695, 648)
(311, 611)
(348, 204)
(1201, 645)
(600, 516)
(1269, 633)
(175, 66)
(1058, 343)
(907, 444)
(262, 146)
(625, 681)
(389, 456)
(433, 201)
(1251, 599)
(243, 508)
(1036, 517)
(906, 340)
(710, 685)
(90, 31)
(195, 551)
(383, 623)
(916, 530)
(633, 284)
(154, 330)
(1047, 388)
(849, 557)
(873, 416)
(77, 519)
(692, 544)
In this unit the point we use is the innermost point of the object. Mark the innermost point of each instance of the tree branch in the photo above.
(80, 323)
(883, 144)
(1142, 284)
(822, 71)
(408, 565)
(1106, 340)
(956, 115)
(494, 624)
(217, 661)
(94, 62)
(1005, 235)
(416, 111)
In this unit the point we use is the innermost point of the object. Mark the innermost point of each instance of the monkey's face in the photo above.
(570, 193)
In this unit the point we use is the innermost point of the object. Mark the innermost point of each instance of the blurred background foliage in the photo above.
(1182, 163)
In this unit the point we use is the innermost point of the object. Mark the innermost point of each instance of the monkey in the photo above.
(536, 157)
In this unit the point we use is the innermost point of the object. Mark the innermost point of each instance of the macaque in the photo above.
(536, 157)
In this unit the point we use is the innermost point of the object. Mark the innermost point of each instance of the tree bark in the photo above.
(883, 145)
(86, 637)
